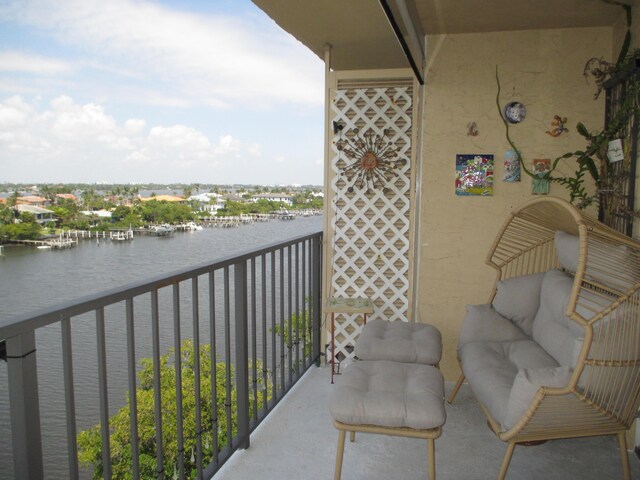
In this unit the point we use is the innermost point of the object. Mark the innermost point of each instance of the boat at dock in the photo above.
(121, 236)
(162, 230)
(285, 215)
(189, 227)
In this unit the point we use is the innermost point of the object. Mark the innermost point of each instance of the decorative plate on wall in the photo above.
(514, 112)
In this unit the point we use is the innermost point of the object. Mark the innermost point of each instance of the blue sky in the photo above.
(156, 91)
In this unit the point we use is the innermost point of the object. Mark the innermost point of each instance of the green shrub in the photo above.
(90, 441)
(20, 231)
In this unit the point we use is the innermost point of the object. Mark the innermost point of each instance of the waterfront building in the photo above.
(273, 197)
(42, 214)
(33, 200)
(208, 202)
(231, 197)
(106, 214)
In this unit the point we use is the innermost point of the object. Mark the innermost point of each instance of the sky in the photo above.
(132, 91)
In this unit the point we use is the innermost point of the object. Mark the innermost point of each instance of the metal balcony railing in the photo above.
(254, 321)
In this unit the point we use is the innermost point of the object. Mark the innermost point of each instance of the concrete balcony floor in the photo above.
(298, 441)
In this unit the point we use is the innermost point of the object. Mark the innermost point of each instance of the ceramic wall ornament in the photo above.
(615, 152)
(558, 126)
(472, 129)
(539, 184)
(474, 174)
(511, 167)
(514, 112)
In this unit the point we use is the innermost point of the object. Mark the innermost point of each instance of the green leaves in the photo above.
(90, 441)
(582, 130)
(587, 163)
(20, 231)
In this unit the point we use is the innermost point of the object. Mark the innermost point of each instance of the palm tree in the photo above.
(13, 199)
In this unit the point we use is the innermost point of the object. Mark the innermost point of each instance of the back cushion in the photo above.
(567, 250)
(620, 275)
(518, 299)
(551, 324)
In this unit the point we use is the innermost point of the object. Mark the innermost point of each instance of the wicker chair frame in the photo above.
(603, 395)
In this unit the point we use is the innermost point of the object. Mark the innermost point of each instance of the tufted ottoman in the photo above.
(389, 398)
(400, 341)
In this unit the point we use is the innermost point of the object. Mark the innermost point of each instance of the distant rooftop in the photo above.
(68, 196)
(32, 209)
(164, 198)
(31, 199)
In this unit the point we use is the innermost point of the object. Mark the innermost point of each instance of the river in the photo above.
(32, 279)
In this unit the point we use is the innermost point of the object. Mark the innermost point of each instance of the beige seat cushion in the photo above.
(389, 394)
(526, 385)
(491, 368)
(399, 341)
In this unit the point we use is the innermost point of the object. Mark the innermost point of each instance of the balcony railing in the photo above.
(254, 321)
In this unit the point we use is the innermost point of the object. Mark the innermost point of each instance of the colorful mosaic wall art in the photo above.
(474, 174)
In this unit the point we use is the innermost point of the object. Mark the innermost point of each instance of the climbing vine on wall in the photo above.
(591, 163)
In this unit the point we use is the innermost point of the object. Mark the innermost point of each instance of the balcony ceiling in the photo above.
(362, 38)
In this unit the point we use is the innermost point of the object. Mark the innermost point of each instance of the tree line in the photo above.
(127, 211)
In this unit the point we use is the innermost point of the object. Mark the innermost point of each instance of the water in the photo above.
(32, 279)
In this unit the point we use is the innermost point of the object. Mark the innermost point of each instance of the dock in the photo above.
(57, 243)
(70, 238)
(121, 236)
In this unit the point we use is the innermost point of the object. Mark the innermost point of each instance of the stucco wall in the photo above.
(542, 69)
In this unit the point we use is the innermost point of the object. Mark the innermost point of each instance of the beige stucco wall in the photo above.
(542, 69)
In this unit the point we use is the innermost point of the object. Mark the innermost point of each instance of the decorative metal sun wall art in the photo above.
(374, 160)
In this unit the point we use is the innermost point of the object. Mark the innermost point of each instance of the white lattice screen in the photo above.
(370, 232)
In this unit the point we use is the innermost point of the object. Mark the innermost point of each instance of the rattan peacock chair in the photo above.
(602, 395)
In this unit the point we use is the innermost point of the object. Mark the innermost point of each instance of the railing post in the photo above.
(242, 362)
(24, 404)
(316, 302)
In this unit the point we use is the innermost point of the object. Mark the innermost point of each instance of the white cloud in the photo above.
(134, 126)
(143, 74)
(79, 123)
(14, 112)
(212, 60)
(84, 143)
(180, 137)
(14, 61)
(226, 145)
